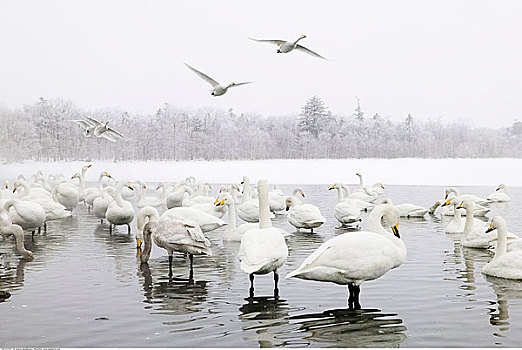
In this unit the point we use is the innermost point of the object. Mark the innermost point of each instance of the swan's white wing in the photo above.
(275, 42)
(204, 76)
(114, 133)
(93, 121)
(308, 51)
(107, 136)
(238, 84)
(83, 123)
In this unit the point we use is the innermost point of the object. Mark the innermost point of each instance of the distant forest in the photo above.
(44, 131)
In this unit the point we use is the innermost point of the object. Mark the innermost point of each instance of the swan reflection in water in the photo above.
(505, 290)
(171, 296)
(352, 328)
(264, 320)
(11, 279)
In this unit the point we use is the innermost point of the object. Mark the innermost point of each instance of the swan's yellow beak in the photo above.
(490, 228)
(108, 175)
(14, 189)
(74, 176)
(446, 203)
(138, 244)
(6, 185)
(332, 188)
(131, 187)
(303, 36)
(382, 186)
(88, 166)
(460, 206)
(395, 230)
(216, 201)
(302, 194)
(144, 186)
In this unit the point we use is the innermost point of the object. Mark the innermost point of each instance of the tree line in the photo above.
(44, 131)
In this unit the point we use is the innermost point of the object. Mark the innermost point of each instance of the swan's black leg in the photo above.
(129, 229)
(45, 226)
(110, 228)
(101, 221)
(191, 273)
(251, 285)
(312, 230)
(350, 295)
(276, 290)
(356, 291)
(170, 265)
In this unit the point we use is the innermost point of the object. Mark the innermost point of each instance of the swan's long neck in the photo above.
(147, 212)
(295, 42)
(468, 227)
(231, 215)
(147, 242)
(374, 220)
(502, 241)
(233, 193)
(361, 183)
(27, 189)
(264, 208)
(117, 196)
(164, 193)
(82, 179)
(340, 195)
(247, 192)
(18, 234)
(100, 183)
(435, 206)
(346, 190)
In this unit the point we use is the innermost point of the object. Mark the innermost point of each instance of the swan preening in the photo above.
(355, 257)
(217, 88)
(288, 46)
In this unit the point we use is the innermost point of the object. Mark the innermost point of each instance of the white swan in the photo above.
(66, 195)
(152, 201)
(211, 208)
(287, 46)
(92, 192)
(120, 212)
(101, 204)
(205, 221)
(189, 201)
(175, 198)
(249, 211)
(29, 215)
(262, 250)
(295, 195)
(345, 211)
(7, 228)
(465, 197)
(81, 177)
(100, 129)
(355, 257)
(474, 235)
(448, 210)
(456, 225)
(504, 264)
(175, 235)
(303, 215)
(499, 196)
(217, 88)
(233, 232)
(53, 210)
(408, 210)
(276, 200)
(6, 193)
(373, 191)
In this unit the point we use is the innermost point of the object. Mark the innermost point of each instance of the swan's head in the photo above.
(303, 36)
(452, 200)
(358, 174)
(75, 176)
(6, 185)
(246, 180)
(497, 222)
(389, 215)
(290, 202)
(468, 205)
(85, 167)
(379, 184)
(501, 187)
(449, 190)
(107, 175)
(335, 186)
(143, 185)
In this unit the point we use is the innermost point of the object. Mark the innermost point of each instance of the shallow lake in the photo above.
(86, 288)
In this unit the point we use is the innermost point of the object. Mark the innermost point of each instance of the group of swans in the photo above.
(220, 89)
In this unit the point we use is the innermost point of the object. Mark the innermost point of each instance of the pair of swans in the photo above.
(355, 257)
(94, 127)
(7, 228)
(505, 264)
(94, 192)
(346, 211)
(101, 204)
(263, 249)
(373, 191)
(30, 216)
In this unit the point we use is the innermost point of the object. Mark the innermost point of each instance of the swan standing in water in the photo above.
(345, 211)
(504, 264)
(303, 215)
(355, 257)
(217, 88)
(175, 235)
(499, 196)
(101, 204)
(287, 46)
(465, 197)
(120, 212)
(7, 228)
(262, 250)
(92, 193)
(204, 220)
(81, 177)
(456, 224)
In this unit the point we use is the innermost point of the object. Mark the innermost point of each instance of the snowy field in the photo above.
(459, 172)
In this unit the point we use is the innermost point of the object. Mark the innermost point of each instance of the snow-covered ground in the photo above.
(460, 172)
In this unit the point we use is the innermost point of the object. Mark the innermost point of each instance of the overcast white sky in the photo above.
(449, 59)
